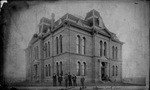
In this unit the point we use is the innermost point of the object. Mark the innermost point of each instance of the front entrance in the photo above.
(104, 71)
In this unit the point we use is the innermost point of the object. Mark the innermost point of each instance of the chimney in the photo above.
(52, 20)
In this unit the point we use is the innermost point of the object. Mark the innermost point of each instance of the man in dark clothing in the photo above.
(54, 80)
(74, 80)
(60, 79)
(82, 81)
(66, 80)
(69, 78)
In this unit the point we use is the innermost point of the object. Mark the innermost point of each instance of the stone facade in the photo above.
(70, 44)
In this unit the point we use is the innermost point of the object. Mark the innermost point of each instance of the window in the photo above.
(49, 67)
(60, 37)
(46, 69)
(57, 68)
(49, 51)
(84, 68)
(83, 45)
(35, 66)
(57, 45)
(34, 53)
(37, 52)
(78, 68)
(46, 50)
(78, 44)
(101, 46)
(61, 71)
(116, 71)
(113, 52)
(113, 71)
(105, 49)
(97, 21)
(116, 53)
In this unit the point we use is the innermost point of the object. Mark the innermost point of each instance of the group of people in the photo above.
(70, 80)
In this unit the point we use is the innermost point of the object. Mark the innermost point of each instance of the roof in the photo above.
(45, 20)
(91, 13)
(77, 22)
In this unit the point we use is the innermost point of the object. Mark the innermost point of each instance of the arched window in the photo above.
(46, 50)
(78, 68)
(101, 46)
(57, 68)
(57, 45)
(105, 49)
(78, 44)
(49, 67)
(49, 49)
(61, 49)
(113, 71)
(34, 53)
(84, 68)
(37, 52)
(61, 71)
(83, 45)
(116, 53)
(113, 52)
(46, 69)
(116, 70)
(36, 71)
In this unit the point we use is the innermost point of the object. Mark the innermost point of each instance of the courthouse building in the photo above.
(84, 47)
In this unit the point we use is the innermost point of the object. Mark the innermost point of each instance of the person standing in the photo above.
(66, 80)
(59, 79)
(70, 81)
(54, 80)
(82, 81)
(74, 80)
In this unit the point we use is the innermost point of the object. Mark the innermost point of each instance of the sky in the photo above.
(128, 20)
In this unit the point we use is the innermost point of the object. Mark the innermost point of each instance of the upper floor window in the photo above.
(60, 37)
(113, 52)
(34, 53)
(101, 48)
(116, 53)
(83, 45)
(37, 52)
(49, 49)
(105, 49)
(57, 45)
(46, 50)
(78, 44)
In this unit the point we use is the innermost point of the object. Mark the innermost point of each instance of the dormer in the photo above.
(44, 25)
(94, 19)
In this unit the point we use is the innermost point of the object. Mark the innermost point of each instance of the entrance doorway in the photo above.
(104, 71)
